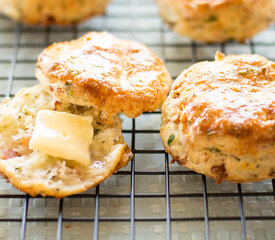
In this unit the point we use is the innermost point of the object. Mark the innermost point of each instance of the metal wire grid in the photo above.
(168, 172)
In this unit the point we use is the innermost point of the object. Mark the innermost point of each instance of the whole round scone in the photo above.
(217, 20)
(47, 12)
(219, 118)
(35, 172)
(99, 70)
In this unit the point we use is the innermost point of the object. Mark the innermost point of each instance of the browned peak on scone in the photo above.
(104, 72)
(221, 115)
(45, 12)
(36, 172)
(217, 20)
(234, 95)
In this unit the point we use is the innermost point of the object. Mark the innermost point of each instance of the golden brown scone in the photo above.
(99, 70)
(47, 12)
(219, 118)
(35, 172)
(217, 20)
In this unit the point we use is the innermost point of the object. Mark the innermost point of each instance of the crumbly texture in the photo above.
(112, 75)
(37, 173)
(217, 20)
(45, 12)
(219, 118)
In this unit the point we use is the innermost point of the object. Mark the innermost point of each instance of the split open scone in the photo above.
(36, 172)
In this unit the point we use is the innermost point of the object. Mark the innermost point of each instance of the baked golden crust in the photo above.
(61, 12)
(217, 20)
(221, 116)
(234, 96)
(102, 71)
(37, 173)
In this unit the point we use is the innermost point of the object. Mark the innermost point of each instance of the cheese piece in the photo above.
(63, 135)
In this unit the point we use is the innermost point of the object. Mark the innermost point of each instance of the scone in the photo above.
(45, 12)
(219, 118)
(101, 71)
(217, 20)
(56, 149)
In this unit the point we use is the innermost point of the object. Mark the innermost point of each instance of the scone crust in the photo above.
(222, 118)
(62, 12)
(35, 188)
(217, 20)
(100, 70)
(37, 173)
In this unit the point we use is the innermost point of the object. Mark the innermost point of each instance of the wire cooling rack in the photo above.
(148, 199)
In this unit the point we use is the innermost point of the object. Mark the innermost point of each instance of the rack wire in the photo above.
(148, 199)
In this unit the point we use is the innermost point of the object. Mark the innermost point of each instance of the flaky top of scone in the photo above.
(232, 95)
(102, 71)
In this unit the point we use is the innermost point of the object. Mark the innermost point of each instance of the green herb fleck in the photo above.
(214, 149)
(211, 18)
(244, 71)
(68, 87)
(238, 159)
(251, 70)
(171, 139)
(97, 66)
(75, 72)
(96, 131)
(18, 168)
